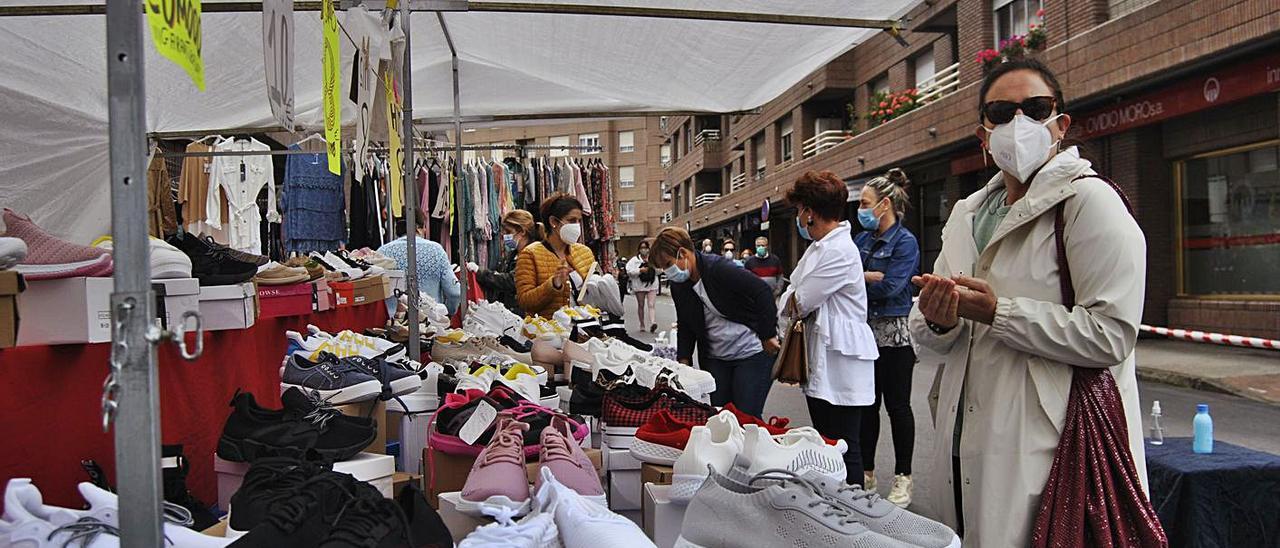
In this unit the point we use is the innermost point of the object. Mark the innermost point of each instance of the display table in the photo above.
(51, 400)
(1228, 498)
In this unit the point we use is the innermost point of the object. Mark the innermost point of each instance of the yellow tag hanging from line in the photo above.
(332, 81)
(175, 30)
(396, 160)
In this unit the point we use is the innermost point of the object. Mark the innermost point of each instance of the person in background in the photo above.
(645, 286)
(891, 256)
(994, 308)
(730, 251)
(550, 272)
(435, 275)
(726, 314)
(708, 246)
(747, 254)
(828, 292)
(624, 280)
(766, 265)
(499, 284)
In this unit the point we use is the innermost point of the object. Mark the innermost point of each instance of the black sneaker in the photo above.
(306, 429)
(406, 522)
(257, 260)
(426, 528)
(270, 481)
(212, 264)
(305, 518)
(174, 467)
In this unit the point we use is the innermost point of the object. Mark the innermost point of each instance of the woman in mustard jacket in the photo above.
(549, 273)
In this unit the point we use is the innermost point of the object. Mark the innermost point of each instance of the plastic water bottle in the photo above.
(1203, 426)
(1157, 431)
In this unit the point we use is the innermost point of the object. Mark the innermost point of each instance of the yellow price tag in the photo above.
(332, 80)
(175, 30)
(396, 161)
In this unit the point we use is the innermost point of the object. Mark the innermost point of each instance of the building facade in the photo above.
(628, 146)
(1175, 100)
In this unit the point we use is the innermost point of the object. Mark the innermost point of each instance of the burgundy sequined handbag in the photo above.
(1093, 496)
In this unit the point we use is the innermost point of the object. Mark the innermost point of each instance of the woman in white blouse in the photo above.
(828, 290)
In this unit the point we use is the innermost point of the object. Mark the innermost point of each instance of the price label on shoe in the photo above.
(478, 423)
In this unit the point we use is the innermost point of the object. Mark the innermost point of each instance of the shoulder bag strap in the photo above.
(1059, 228)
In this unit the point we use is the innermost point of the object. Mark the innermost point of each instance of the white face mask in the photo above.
(570, 232)
(1021, 146)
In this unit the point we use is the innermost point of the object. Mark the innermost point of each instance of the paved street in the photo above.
(1236, 420)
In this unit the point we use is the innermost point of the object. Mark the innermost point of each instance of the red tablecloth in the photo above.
(50, 400)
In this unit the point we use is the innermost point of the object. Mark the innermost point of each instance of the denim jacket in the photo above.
(897, 254)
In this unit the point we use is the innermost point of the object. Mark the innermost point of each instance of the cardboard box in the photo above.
(367, 467)
(321, 295)
(624, 490)
(66, 311)
(218, 530)
(174, 298)
(11, 284)
(393, 426)
(285, 300)
(663, 519)
(400, 480)
(655, 474)
(228, 306)
(371, 290)
(376, 410)
(619, 460)
(444, 473)
(460, 525)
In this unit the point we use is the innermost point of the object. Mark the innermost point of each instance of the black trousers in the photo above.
(893, 387)
(840, 422)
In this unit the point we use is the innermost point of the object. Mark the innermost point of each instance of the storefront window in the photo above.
(1230, 223)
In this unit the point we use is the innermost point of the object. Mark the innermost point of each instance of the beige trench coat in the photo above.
(1015, 372)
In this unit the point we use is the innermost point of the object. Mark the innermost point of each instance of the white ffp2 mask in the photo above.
(1021, 146)
(570, 232)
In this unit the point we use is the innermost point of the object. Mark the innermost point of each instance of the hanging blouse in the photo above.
(313, 202)
(241, 178)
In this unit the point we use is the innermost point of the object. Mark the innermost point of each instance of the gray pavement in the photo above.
(1240, 421)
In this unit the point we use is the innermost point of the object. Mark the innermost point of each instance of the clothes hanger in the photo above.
(207, 137)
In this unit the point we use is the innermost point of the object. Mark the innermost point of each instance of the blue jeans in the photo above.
(743, 382)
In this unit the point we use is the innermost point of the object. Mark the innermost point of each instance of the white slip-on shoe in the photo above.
(799, 453)
(715, 445)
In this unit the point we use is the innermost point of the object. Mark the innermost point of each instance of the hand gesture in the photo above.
(939, 300)
(562, 276)
(977, 299)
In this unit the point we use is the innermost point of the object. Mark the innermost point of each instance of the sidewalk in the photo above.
(1245, 372)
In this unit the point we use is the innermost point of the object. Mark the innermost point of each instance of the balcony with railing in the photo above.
(708, 138)
(825, 141)
(703, 157)
(737, 182)
(705, 199)
(943, 83)
(666, 217)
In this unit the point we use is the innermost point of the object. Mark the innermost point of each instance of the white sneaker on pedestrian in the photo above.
(714, 445)
(799, 453)
(901, 492)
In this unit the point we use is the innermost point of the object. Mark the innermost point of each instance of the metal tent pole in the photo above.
(457, 138)
(131, 390)
(410, 191)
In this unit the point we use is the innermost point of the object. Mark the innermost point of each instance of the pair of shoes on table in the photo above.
(349, 380)
(284, 503)
(587, 360)
(623, 412)
(166, 261)
(445, 429)
(344, 343)
(216, 264)
(516, 376)
(28, 521)
(374, 258)
(307, 427)
(274, 273)
(498, 484)
(780, 507)
(663, 439)
(38, 255)
(313, 268)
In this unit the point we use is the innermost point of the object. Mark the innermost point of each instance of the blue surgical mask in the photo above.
(675, 274)
(509, 241)
(804, 231)
(867, 218)
(762, 251)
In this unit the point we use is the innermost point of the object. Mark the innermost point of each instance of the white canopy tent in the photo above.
(53, 79)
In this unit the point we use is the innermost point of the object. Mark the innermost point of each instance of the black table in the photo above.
(1228, 498)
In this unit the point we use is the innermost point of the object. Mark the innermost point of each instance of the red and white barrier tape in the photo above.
(1215, 338)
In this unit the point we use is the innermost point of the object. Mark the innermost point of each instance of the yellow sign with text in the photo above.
(175, 30)
(332, 101)
(396, 161)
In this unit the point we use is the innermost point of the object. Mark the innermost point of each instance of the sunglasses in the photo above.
(1036, 108)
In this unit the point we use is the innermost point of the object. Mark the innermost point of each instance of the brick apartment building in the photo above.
(628, 146)
(1176, 100)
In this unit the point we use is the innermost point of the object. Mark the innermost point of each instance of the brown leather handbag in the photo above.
(792, 364)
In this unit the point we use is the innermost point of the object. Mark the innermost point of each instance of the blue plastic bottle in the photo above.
(1203, 426)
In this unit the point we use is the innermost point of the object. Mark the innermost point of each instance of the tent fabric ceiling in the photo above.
(53, 79)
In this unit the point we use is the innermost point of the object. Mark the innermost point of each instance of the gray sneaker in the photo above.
(774, 508)
(396, 380)
(337, 381)
(885, 517)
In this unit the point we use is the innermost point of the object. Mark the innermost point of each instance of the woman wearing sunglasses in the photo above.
(994, 307)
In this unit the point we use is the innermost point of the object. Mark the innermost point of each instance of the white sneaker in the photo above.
(715, 445)
(368, 347)
(167, 262)
(901, 492)
(798, 453)
(106, 502)
(14, 250)
(532, 531)
(584, 523)
(426, 398)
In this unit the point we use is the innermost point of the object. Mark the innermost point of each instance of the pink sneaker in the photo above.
(498, 485)
(50, 258)
(562, 454)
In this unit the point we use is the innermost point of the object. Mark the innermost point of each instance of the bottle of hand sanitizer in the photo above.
(1157, 430)
(1203, 426)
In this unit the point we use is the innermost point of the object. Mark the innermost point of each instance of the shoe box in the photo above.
(78, 310)
(623, 473)
(285, 300)
(445, 473)
(663, 519)
(321, 295)
(656, 474)
(460, 525)
(366, 290)
(228, 306)
(11, 284)
(373, 468)
(376, 410)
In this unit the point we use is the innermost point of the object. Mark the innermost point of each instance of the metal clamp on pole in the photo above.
(179, 337)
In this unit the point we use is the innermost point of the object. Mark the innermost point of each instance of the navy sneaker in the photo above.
(337, 381)
(395, 380)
